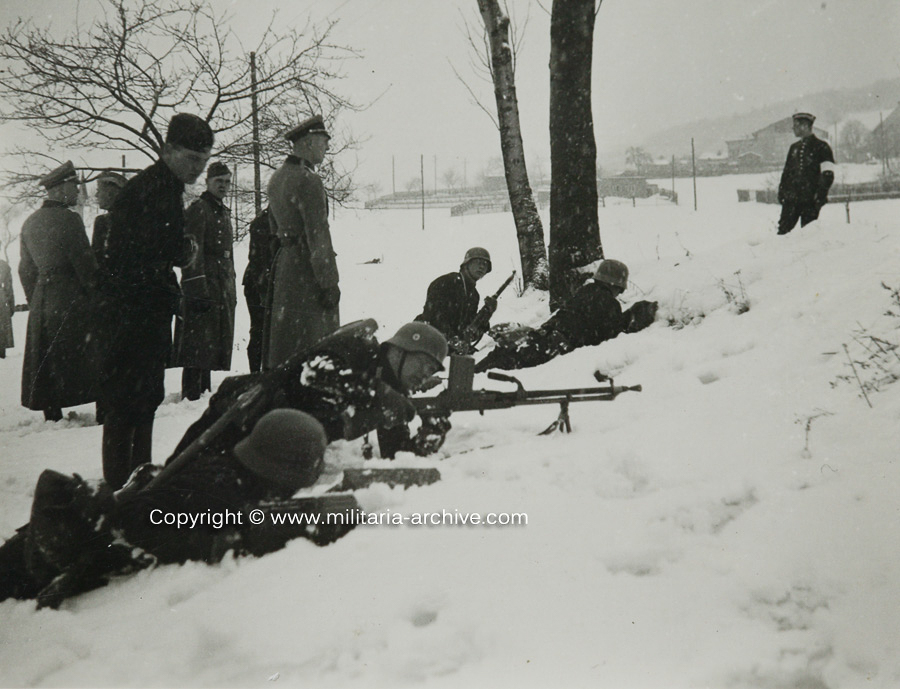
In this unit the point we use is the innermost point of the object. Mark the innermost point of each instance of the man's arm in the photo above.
(314, 211)
(826, 173)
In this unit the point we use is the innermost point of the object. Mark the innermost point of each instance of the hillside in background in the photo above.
(830, 107)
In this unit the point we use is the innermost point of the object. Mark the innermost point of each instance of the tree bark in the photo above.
(529, 228)
(574, 224)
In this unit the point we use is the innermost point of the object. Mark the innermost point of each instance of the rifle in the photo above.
(475, 330)
(459, 395)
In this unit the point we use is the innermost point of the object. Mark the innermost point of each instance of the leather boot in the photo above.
(118, 441)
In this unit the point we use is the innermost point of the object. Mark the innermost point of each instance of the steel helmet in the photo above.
(477, 252)
(286, 446)
(613, 273)
(423, 338)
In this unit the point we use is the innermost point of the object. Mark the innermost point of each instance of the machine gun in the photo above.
(459, 395)
(476, 329)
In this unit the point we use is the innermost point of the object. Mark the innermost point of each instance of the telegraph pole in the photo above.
(254, 108)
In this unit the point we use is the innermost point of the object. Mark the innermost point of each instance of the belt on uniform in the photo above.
(289, 239)
(224, 254)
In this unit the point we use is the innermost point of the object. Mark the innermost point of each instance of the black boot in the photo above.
(118, 442)
(53, 414)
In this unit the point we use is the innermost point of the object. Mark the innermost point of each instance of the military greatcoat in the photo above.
(305, 265)
(58, 273)
(205, 333)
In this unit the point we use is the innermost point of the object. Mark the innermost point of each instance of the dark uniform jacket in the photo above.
(450, 305)
(263, 247)
(590, 317)
(803, 180)
(205, 332)
(137, 279)
(58, 273)
(305, 267)
(342, 382)
(99, 236)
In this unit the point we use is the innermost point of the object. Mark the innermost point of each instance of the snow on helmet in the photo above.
(286, 446)
(477, 252)
(613, 273)
(423, 338)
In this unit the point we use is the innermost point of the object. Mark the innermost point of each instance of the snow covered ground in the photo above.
(736, 524)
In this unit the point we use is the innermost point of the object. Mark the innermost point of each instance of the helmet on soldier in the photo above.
(286, 447)
(422, 338)
(613, 273)
(477, 252)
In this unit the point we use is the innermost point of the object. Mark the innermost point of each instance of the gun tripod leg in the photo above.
(562, 423)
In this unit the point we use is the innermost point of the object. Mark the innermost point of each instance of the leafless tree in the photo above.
(113, 85)
(495, 53)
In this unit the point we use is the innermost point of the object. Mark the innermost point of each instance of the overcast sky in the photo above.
(656, 63)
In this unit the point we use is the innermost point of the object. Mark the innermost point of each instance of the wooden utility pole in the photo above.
(422, 176)
(673, 175)
(694, 167)
(393, 177)
(254, 109)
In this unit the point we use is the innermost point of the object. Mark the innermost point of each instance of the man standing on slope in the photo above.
(807, 176)
(304, 292)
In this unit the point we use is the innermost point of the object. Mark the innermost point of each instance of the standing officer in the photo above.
(452, 300)
(109, 186)
(263, 247)
(146, 239)
(7, 308)
(807, 177)
(205, 335)
(305, 294)
(59, 273)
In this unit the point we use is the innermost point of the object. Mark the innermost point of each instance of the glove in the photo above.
(431, 435)
(491, 304)
(329, 297)
(396, 409)
(640, 315)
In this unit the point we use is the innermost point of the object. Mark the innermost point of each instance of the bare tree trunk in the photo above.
(529, 229)
(574, 224)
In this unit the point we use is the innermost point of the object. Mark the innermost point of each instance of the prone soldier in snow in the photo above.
(593, 315)
(81, 535)
(348, 381)
(452, 301)
(808, 175)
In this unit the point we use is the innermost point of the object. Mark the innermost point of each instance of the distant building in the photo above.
(886, 136)
(767, 146)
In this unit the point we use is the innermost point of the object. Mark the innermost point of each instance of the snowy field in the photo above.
(736, 524)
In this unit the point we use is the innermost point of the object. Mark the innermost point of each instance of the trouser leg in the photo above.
(118, 451)
(790, 214)
(143, 445)
(809, 213)
(53, 414)
(194, 381)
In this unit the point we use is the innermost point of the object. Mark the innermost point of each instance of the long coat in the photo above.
(58, 273)
(205, 337)
(305, 264)
(7, 306)
(144, 242)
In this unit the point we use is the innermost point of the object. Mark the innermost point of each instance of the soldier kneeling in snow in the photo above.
(593, 315)
(81, 535)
